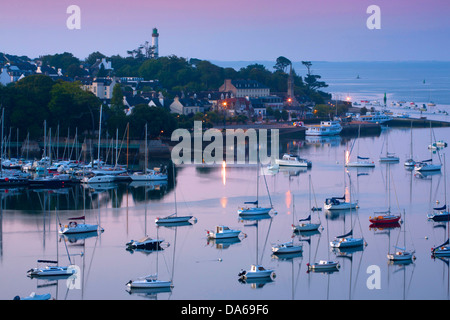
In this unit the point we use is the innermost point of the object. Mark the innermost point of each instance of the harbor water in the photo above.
(205, 269)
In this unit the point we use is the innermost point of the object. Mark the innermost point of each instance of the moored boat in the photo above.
(325, 128)
(256, 271)
(293, 161)
(223, 232)
(323, 266)
(286, 247)
(74, 227)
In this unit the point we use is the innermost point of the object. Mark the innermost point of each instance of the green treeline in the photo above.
(29, 102)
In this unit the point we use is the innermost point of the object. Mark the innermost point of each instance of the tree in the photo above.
(93, 57)
(308, 65)
(312, 82)
(322, 110)
(26, 104)
(117, 99)
(71, 106)
(282, 63)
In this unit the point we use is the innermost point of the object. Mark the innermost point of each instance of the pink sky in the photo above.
(232, 30)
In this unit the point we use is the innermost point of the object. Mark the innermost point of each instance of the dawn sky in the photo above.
(329, 30)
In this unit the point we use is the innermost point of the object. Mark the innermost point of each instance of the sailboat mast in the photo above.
(174, 187)
(146, 152)
(99, 136)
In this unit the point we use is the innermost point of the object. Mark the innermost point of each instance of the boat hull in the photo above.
(225, 235)
(51, 272)
(380, 220)
(169, 220)
(441, 216)
(360, 164)
(341, 206)
(401, 256)
(152, 284)
(253, 211)
(292, 249)
(347, 243)
(329, 266)
(306, 227)
(79, 228)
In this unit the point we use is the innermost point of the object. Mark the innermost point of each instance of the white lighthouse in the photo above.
(155, 36)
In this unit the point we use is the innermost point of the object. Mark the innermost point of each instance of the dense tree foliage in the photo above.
(30, 101)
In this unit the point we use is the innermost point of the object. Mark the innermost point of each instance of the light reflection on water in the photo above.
(202, 269)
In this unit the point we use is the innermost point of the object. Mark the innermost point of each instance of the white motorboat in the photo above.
(374, 117)
(149, 282)
(50, 270)
(256, 271)
(286, 247)
(293, 161)
(223, 232)
(325, 128)
(75, 227)
(324, 265)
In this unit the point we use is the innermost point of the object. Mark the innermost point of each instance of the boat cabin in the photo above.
(221, 229)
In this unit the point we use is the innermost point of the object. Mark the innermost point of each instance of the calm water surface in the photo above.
(202, 269)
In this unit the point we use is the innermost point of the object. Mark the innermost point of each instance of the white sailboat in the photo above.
(401, 254)
(340, 203)
(347, 240)
(325, 266)
(287, 247)
(147, 175)
(305, 224)
(363, 162)
(256, 210)
(441, 213)
(150, 282)
(74, 227)
(52, 269)
(256, 272)
(410, 162)
(428, 165)
(173, 218)
(389, 156)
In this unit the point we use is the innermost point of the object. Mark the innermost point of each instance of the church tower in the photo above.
(292, 102)
(155, 36)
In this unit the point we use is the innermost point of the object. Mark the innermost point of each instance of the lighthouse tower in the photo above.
(155, 36)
